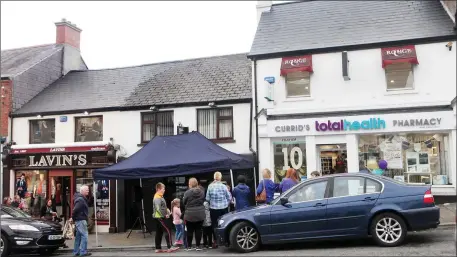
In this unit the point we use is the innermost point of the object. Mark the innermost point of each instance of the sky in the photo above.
(118, 34)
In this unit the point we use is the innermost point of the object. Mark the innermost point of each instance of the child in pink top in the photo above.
(177, 221)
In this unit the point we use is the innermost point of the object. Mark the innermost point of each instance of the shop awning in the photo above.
(178, 155)
(296, 64)
(400, 54)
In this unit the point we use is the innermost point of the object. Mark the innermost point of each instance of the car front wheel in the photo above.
(4, 246)
(388, 229)
(244, 238)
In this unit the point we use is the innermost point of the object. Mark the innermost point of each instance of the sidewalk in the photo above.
(136, 242)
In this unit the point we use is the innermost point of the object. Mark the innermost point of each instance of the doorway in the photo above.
(61, 191)
(332, 158)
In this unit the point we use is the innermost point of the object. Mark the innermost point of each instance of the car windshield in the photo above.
(15, 213)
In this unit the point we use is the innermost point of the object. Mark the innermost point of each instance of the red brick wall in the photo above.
(67, 35)
(5, 105)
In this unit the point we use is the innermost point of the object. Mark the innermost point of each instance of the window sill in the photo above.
(298, 98)
(223, 141)
(401, 92)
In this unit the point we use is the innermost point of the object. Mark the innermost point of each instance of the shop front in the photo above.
(40, 174)
(416, 147)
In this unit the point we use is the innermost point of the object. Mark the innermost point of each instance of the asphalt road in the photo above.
(440, 242)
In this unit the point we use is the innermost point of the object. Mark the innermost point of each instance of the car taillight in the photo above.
(428, 197)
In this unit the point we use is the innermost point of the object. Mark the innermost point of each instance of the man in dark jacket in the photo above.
(241, 194)
(80, 215)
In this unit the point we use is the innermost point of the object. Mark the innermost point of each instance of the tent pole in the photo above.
(142, 201)
(255, 180)
(95, 215)
(231, 177)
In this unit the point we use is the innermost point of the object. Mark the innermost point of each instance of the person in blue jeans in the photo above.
(268, 185)
(79, 216)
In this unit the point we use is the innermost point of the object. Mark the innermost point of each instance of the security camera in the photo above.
(449, 45)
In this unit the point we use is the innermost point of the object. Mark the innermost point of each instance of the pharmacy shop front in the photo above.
(417, 148)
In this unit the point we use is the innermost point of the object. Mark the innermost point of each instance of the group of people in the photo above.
(201, 212)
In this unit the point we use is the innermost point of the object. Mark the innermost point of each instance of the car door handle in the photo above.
(369, 199)
(319, 205)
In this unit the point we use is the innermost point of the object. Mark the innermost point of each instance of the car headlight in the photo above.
(23, 228)
(220, 222)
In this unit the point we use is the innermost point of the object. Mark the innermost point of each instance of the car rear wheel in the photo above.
(244, 238)
(388, 229)
(4, 246)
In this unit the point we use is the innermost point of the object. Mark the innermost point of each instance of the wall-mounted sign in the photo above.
(292, 128)
(98, 148)
(399, 54)
(342, 125)
(270, 80)
(269, 90)
(63, 118)
(433, 122)
(296, 64)
(58, 160)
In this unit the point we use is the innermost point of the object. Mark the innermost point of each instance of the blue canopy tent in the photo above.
(178, 155)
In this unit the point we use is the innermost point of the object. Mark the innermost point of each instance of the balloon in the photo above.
(383, 164)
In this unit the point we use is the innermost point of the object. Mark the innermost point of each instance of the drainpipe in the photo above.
(250, 128)
(256, 111)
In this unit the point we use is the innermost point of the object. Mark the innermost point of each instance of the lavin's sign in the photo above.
(59, 160)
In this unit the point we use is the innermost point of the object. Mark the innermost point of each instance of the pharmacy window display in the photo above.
(413, 158)
(289, 153)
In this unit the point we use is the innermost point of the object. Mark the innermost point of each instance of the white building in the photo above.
(338, 84)
(73, 126)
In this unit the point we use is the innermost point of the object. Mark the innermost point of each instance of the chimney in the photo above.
(67, 33)
(263, 6)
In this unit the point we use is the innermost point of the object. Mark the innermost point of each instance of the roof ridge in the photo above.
(26, 47)
(164, 62)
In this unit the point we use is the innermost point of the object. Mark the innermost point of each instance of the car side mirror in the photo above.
(284, 200)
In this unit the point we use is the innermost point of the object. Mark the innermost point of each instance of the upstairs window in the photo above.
(42, 131)
(216, 123)
(156, 124)
(399, 76)
(298, 84)
(89, 129)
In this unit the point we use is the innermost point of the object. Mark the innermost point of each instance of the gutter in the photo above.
(250, 129)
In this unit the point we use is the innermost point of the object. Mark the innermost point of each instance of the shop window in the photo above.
(31, 186)
(298, 84)
(42, 131)
(156, 124)
(88, 129)
(215, 123)
(312, 192)
(287, 155)
(399, 76)
(411, 158)
(85, 177)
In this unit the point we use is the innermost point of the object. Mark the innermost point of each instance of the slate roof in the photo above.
(311, 25)
(208, 79)
(15, 61)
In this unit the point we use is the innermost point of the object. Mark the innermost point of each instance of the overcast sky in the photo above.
(117, 34)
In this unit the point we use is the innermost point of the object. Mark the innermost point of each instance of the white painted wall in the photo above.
(434, 82)
(125, 127)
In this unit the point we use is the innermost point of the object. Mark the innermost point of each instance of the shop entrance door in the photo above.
(332, 158)
(61, 190)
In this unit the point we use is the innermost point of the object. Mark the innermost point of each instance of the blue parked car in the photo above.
(339, 206)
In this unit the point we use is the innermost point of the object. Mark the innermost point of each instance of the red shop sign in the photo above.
(400, 54)
(72, 149)
(296, 64)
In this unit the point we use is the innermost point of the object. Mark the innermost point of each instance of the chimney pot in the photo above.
(68, 33)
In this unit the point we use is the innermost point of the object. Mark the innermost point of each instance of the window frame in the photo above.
(155, 122)
(298, 96)
(399, 89)
(30, 130)
(332, 183)
(82, 117)
(218, 119)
